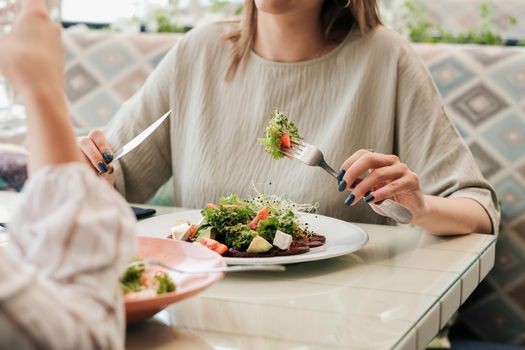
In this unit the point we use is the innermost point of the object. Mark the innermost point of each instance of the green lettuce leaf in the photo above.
(239, 236)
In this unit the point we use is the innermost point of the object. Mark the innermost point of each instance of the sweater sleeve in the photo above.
(140, 173)
(68, 244)
(427, 141)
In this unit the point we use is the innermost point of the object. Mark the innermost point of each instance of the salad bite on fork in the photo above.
(282, 136)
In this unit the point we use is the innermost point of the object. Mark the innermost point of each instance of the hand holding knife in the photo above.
(99, 154)
(137, 140)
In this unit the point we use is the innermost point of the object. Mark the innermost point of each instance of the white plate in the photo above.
(341, 237)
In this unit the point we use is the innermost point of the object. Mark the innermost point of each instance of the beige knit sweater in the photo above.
(369, 92)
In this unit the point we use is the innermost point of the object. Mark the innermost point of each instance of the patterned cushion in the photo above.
(484, 92)
(104, 69)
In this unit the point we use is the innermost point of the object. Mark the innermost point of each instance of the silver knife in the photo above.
(137, 140)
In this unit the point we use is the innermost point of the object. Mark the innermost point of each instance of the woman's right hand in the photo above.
(98, 154)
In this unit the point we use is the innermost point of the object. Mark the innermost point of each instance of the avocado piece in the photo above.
(205, 233)
(259, 245)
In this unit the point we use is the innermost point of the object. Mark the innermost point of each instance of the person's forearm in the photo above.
(50, 135)
(452, 216)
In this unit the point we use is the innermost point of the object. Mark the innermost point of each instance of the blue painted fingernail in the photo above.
(342, 186)
(340, 174)
(369, 198)
(350, 199)
(102, 167)
(108, 157)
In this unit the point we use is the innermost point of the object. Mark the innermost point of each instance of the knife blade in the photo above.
(137, 140)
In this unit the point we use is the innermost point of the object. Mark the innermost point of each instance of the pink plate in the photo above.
(177, 254)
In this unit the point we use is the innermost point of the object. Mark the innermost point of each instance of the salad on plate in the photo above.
(262, 226)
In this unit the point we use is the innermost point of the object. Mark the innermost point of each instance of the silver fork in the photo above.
(237, 268)
(312, 155)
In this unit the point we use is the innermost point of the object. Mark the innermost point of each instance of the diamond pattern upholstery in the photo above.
(484, 94)
(104, 69)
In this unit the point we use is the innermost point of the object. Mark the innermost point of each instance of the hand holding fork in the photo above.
(312, 155)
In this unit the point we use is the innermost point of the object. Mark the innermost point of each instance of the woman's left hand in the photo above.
(388, 178)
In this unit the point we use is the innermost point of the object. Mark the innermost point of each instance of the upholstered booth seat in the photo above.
(484, 93)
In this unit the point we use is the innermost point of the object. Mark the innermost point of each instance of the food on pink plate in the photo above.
(143, 281)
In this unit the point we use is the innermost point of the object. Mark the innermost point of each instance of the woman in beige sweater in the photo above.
(350, 85)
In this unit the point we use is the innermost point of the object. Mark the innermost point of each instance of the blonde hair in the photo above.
(337, 21)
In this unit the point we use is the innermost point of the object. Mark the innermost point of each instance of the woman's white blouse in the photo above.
(68, 244)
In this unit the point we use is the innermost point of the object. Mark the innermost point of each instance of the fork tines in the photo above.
(287, 152)
(296, 149)
(301, 146)
(300, 143)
